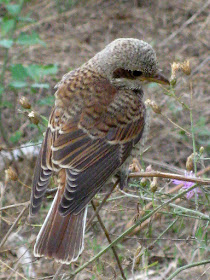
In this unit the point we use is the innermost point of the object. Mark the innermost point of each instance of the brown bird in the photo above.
(93, 132)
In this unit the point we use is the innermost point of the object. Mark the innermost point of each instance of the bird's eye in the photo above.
(137, 73)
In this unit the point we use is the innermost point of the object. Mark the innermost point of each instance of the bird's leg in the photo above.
(123, 178)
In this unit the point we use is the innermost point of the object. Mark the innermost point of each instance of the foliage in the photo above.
(18, 78)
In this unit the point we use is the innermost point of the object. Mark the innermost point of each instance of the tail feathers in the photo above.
(61, 237)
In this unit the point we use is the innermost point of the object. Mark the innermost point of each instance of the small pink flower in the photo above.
(187, 185)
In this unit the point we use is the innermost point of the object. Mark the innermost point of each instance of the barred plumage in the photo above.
(98, 118)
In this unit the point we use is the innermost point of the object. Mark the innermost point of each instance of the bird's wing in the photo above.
(94, 143)
(42, 173)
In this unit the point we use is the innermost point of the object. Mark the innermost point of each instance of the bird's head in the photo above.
(129, 62)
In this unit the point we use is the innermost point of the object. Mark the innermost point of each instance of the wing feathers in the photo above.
(88, 182)
(40, 183)
(91, 145)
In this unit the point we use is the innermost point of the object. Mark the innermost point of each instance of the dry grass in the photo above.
(72, 37)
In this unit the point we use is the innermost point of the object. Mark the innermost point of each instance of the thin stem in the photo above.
(162, 233)
(16, 272)
(109, 240)
(57, 274)
(13, 226)
(170, 176)
(129, 230)
(193, 137)
(101, 205)
(175, 124)
(192, 128)
(186, 267)
(14, 205)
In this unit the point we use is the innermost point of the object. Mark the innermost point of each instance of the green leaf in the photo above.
(18, 84)
(30, 39)
(7, 25)
(13, 9)
(6, 104)
(5, 1)
(34, 71)
(49, 100)
(6, 43)
(50, 69)
(39, 85)
(16, 136)
(1, 89)
(19, 72)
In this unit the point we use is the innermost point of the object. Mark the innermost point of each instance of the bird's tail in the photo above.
(61, 237)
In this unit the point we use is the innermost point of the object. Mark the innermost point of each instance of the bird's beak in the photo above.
(157, 78)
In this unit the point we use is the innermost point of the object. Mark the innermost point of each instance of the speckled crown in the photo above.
(127, 53)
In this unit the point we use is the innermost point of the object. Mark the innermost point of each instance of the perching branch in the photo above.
(170, 176)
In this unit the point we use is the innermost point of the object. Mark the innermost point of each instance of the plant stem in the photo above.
(186, 267)
(192, 129)
(169, 176)
(129, 230)
(109, 240)
(13, 225)
(101, 205)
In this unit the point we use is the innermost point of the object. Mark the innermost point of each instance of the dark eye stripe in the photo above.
(123, 73)
(137, 73)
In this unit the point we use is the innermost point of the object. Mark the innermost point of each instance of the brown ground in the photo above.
(177, 30)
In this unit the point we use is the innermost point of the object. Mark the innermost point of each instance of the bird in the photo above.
(94, 130)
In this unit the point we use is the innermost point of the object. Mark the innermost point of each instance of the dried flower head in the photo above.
(185, 67)
(24, 102)
(144, 182)
(154, 185)
(10, 175)
(174, 68)
(201, 150)
(190, 163)
(149, 168)
(34, 117)
(153, 105)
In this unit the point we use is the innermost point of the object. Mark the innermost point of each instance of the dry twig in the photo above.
(185, 24)
(13, 226)
(109, 240)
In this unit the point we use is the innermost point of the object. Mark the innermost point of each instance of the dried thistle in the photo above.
(24, 102)
(174, 68)
(185, 67)
(190, 163)
(10, 175)
(34, 117)
(153, 105)
(154, 185)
